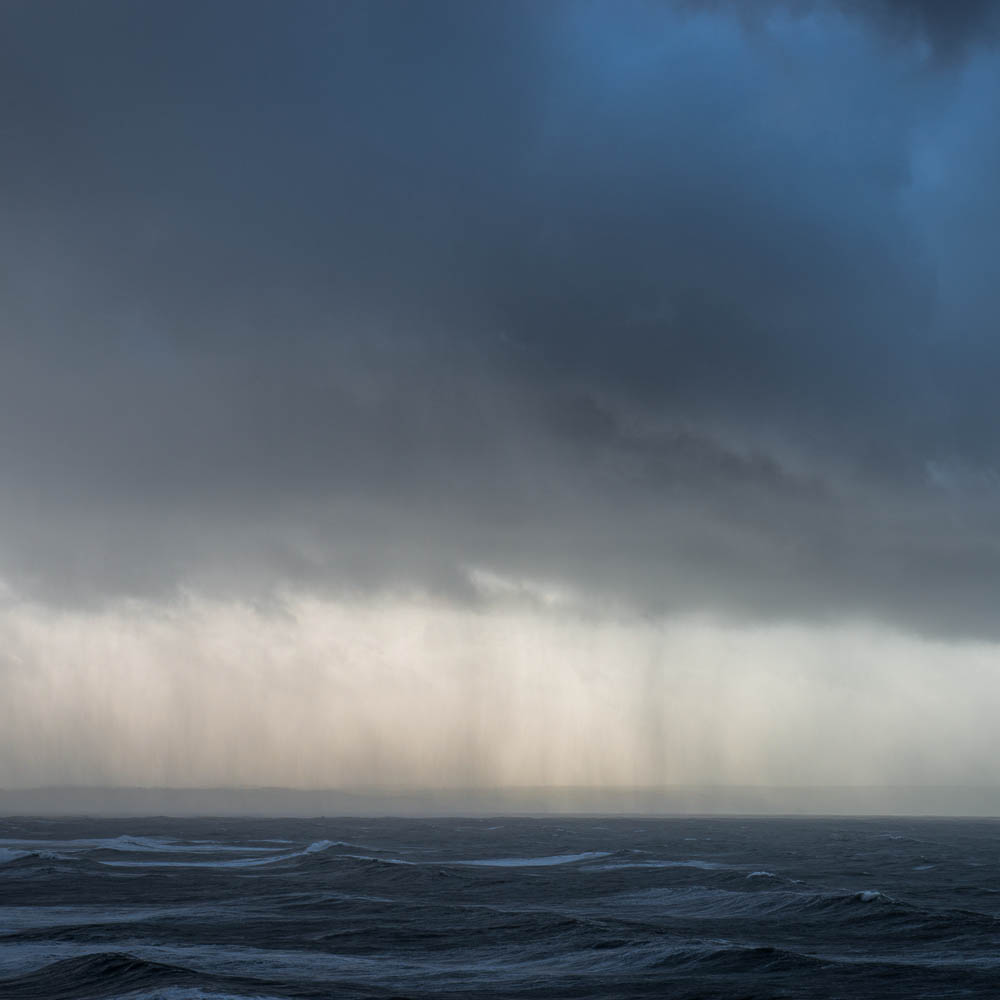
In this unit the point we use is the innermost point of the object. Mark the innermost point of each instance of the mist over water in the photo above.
(411, 692)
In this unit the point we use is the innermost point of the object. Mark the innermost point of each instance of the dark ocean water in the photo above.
(506, 907)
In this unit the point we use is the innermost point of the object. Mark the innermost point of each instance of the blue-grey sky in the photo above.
(679, 308)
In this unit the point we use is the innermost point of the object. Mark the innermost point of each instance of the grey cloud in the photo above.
(358, 295)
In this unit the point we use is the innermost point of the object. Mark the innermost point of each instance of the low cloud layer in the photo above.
(647, 304)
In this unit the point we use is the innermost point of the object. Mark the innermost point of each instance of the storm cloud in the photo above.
(645, 303)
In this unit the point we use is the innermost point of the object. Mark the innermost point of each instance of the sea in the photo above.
(190, 909)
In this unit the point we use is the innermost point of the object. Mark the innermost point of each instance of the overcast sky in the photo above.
(608, 315)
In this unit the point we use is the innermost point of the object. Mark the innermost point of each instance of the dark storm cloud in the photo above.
(948, 28)
(623, 295)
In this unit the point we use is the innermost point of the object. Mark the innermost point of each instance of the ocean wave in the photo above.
(192, 993)
(314, 848)
(704, 902)
(872, 896)
(703, 957)
(729, 959)
(665, 863)
(384, 861)
(131, 844)
(9, 855)
(98, 976)
(543, 862)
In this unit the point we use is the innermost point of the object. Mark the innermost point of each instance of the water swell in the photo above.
(114, 975)
(188, 910)
(716, 903)
(98, 975)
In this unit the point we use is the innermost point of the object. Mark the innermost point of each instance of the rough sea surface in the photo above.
(506, 907)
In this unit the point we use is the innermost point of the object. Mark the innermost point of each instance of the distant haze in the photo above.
(453, 395)
(549, 800)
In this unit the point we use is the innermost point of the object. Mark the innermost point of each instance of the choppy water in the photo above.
(681, 908)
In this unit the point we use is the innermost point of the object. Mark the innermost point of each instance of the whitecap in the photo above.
(7, 855)
(314, 848)
(870, 895)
